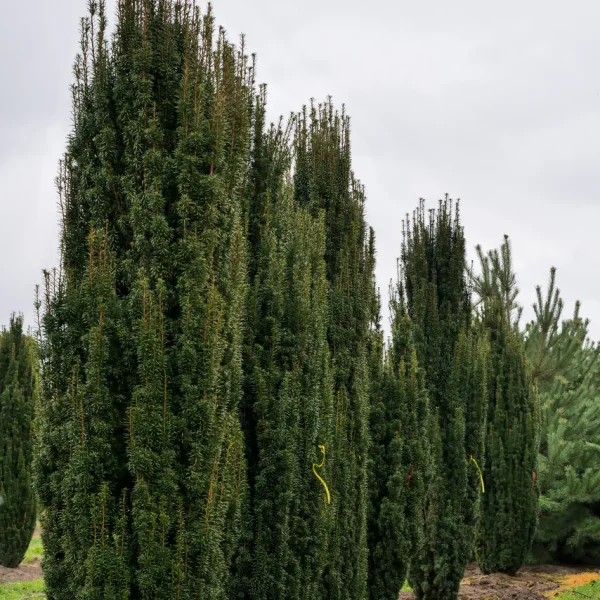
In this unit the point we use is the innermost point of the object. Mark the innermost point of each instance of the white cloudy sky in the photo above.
(499, 106)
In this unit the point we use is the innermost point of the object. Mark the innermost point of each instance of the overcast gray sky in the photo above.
(499, 106)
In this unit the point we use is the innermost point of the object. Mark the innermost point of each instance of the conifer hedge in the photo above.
(18, 397)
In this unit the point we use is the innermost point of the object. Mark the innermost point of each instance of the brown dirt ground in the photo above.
(24, 573)
(531, 583)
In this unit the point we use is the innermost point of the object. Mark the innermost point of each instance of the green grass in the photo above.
(22, 591)
(591, 590)
(35, 551)
(33, 590)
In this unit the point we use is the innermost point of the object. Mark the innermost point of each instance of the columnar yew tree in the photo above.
(400, 426)
(509, 507)
(324, 181)
(140, 465)
(288, 403)
(454, 356)
(18, 388)
(292, 404)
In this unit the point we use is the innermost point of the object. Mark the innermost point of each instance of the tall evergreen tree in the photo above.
(288, 403)
(454, 355)
(551, 343)
(140, 465)
(18, 392)
(400, 427)
(509, 508)
(566, 369)
(569, 475)
(324, 181)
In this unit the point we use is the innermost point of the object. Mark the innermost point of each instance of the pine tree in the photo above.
(569, 477)
(140, 466)
(18, 393)
(567, 372)
(552, 344)
(400, 427)
(509, 508)
(324, 181)
(454, 355)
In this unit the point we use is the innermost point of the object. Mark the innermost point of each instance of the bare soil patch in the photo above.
(21, 574)
(24, 573)
(531, 583)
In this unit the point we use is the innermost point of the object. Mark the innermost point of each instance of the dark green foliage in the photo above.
(18, 393)
(292, 405)
(454, 356)
(509, 508)
(400, 426)
(288, 403)
(325, 182)
(140, 466)
(210, 326)
(567, 372)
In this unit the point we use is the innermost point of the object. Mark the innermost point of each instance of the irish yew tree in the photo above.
(324, 182)
(140, 467)
(400, 427)
(509, 508)
(18, 394)
(454, 356)
(287, 404)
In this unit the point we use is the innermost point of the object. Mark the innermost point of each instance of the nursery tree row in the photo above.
(220, 416)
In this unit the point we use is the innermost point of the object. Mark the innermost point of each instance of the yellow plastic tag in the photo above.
(315, 467)
(480, 474)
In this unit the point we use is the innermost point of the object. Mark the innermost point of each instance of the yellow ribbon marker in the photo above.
(315, 467)
(480, 474)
